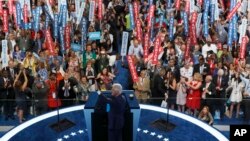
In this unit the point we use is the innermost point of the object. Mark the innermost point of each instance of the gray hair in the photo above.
(117, 88)
(220, 72)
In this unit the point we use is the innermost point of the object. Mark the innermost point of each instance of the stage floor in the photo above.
(187, 128)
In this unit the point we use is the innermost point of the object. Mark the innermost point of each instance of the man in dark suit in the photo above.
(66, 92)
(159, 88)
(174, 69)
(7, 94)
(221, 83)
(116, 114)
(202, 68)
(208, 93)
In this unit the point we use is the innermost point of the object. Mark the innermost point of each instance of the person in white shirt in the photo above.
(208, 47)
(187, 71)
(136, 49)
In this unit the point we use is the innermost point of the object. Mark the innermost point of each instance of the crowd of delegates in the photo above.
(209, 75)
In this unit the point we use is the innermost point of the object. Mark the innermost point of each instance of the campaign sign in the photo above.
(94, 35)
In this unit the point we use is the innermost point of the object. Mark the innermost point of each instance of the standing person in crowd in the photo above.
(170, 84)
(30, 62)
(21, 100)
(40, 90)
(246, 97)
(187, 70)
(90, 74)
(102, 61)
(236, 95)
(208, 93)
(66, 92)
(159, 89)
(209, 46)
(194, 94)
(142, 87)
(135, 49)
(23, 40)
(202, 68)
(74, 66)
(181, 95)
(83, 90)
(88, 56)
(206, 116)
(7, 94)
(174, 69)
(221, 83)
(105, 78)
(53, 100)
(18, 54)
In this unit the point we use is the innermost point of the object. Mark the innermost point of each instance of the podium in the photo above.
(96, 117)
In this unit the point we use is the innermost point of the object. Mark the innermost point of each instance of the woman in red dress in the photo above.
(194, 94)
(52, 95)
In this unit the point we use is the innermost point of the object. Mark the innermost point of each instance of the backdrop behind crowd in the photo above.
(190, 56)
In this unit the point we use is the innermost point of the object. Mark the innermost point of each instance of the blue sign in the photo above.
(171, 28)
(94, 35)
(76, 47)
(185, 20)
(131, 13)
(55, 31)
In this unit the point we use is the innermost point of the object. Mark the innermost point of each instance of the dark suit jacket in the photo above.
(176, 72)
(117, 110)
(159, 88)
(16, 71)
(224, 82)
(206, 68)
(211, 88)
(3, 90)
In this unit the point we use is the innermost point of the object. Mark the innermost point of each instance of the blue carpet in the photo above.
(184, 130)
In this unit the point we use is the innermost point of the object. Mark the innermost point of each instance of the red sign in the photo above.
(5, 21)
(150, 56)
(177, 4)
(14, 14)
(99, 9)
(151, 16)
(146, 45)
(25, 13)
(136, 10)
(67, 37)
(234, 10)
(10, 6)
(1, 7)
(193, 28)
(200, 2)
(243, 47)
(222, 4)
(187, 49)
(49, 42)
(138, 30)
(156, 50)
(187, 7)
(132, 68)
